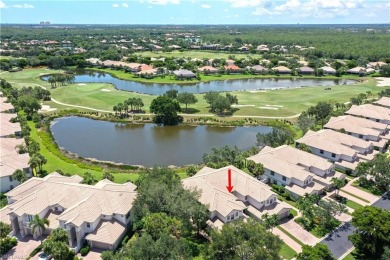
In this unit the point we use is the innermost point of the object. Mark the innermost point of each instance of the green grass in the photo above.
(356, 196)
(287, 252)
(290, 235)
(292, 101)
(292, 203)
(350, 256)
(294, 212)
(196, 54)
(353, 205)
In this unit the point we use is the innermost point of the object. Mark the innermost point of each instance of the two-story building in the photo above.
(323, 170)
(249, 196)
(296, 180)
(98, 214)
(344, 150)
(374, 132)
(369, 111)
(10, 161)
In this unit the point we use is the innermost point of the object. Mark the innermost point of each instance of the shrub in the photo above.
(4, 230)
(36, 250)
(84, 251)
(7, 244)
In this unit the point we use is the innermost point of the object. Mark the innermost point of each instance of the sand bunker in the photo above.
(270, 108)
(257, 91)
(243, 105)
(383, 82)
(105, 90)
(273, 106)
(47, 108)
(81, 84)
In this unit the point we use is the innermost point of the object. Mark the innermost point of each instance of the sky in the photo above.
(195, 11)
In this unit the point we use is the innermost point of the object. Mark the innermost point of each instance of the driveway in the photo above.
(338, 242)
(23, 249)
(288, 240)
(299, 232)
(382, 203)
(94, 254)
(361, 193)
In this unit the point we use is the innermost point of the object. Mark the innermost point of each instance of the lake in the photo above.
(147, 144)
(202, 87)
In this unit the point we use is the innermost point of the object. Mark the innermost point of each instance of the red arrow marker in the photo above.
(229, 187)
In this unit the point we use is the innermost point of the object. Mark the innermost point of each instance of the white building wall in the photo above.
(325, 154)
(7, 183)
(276, 176)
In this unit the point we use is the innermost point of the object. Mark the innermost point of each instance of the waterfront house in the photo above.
(281, 70)
(232, 69)
(182, 73)
(357, 70)
(328, 70)
(208, 69)
(249, 196)
(306, 70)
(97, 214)
(258, 69)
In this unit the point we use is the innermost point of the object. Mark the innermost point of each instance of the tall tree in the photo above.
(165, 110)
(337, 184)
(20, 176)
(187, 98)
(56, 244)
(319, 251)
(372, 232)
(89, 179)
(243, 240)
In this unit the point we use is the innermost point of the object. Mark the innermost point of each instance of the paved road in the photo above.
(338, 243)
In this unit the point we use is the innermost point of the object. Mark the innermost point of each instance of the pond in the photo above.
(83, 76)
(147, 144)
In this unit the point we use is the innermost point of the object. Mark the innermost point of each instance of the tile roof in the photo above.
(298, 157)
(315, 139)
(212, 185)
(83, 203)
(107, 231)
(384, 101)
(282, 69)
(10, 159)
(371, 111)
(356, 125)
(281, 166)
(4, 106)
(8, 128)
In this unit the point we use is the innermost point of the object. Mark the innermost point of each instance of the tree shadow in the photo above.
(190, 110)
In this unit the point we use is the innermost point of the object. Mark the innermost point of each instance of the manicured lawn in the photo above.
(353, 205)
(350, 256)
(290, 235)
(196, 54)
(289, 101)
(292, 203)
(360, 198)
(287, 252)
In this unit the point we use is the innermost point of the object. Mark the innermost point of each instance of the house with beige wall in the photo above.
(98, 214)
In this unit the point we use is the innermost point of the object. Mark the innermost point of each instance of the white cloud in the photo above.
(288, 5)
(23, 6)
(246, 3)
(161, 2)
(205, 6)
(2, 5)
(115, 5)
(125, 5)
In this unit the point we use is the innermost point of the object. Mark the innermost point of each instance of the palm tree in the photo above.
(40, 224)
(337, 184)
(34, 162)
(19, 175)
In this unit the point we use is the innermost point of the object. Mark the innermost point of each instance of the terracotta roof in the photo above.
(5, 106)
(301, 191)
(8, 128)
(232, 67)
(371, 111)
(10, 159)
(107, 232)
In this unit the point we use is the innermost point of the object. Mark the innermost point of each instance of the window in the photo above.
(128, 215)
(272, 173)
(236, 214)
(228, 217)
(29, 218)
(333, 155)
(360, 136)
(88, 225)
(321, 151)
(284, 178)
(56, 208)
(10, 178)
(275, 182)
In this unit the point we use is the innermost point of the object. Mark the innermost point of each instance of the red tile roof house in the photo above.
(208, 70)
(281, 70)
(232, 69)
(305, 70)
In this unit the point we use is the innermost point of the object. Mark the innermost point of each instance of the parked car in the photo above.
(44, 256)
